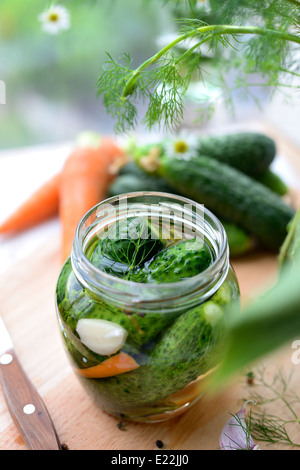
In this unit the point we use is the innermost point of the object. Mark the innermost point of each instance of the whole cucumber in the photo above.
(250, 152)
(184, 259)
(76, 303)
(131, 168)
(127, 183)
(238, 240)
(273, 182)
(187, 348)
(133, 178)
(230, 194)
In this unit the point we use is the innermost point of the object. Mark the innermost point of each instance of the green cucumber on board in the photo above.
(239, 241)
(231, 195)
(131, 168)
(274, 182)
(128, 183)
(132, 178)
(250, 152)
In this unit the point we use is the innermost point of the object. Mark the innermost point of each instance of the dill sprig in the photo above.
(126, 247)
(267, 427)
(139, 239)
(270, 429)
(254, 37)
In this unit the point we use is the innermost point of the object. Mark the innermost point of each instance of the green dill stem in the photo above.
(215, 30)
(271, 428)
(186, 53)
(295, 74)
(281, 396)
(134, 258)
(287, 404)
(131, 82)
(294, 2)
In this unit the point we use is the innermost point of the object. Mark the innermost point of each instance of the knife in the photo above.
(24, 403)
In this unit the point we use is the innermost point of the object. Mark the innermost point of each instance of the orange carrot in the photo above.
(115, 365)
(39, 207)
(84, 182)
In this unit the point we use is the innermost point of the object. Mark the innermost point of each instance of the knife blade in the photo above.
(25, 405)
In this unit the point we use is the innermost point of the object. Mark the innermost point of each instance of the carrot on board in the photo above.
(40, 206)
(115, 365)
(84, 182)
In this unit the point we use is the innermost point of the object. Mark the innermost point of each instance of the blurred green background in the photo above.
(51, 81)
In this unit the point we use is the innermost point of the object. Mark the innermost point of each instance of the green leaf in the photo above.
(291, 247)
(268, 323)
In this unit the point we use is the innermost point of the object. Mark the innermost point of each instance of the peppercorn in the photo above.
(121, 425)
(250, 378)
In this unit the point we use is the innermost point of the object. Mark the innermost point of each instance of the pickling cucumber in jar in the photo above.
(143, 303)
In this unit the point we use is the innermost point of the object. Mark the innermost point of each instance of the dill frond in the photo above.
(265, 426)
(256, 38)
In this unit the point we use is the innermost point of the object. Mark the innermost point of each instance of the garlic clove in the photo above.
(101, 336)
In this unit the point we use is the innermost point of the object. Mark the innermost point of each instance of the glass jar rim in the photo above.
(132, 292)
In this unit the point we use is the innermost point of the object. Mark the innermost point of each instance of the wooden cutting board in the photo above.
(28, 309)
(27, 306)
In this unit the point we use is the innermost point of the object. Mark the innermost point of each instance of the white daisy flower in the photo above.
(55, 19)
(184, 146)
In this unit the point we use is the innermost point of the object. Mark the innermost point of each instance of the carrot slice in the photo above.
(115, 365)
(84, 182)
(40, 206)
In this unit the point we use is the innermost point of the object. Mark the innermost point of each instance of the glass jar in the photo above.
(173, 332)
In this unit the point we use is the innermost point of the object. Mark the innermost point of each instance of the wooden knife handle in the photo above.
(26, 406)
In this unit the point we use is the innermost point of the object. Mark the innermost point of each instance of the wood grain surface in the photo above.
(28, 309)
(29, 313)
